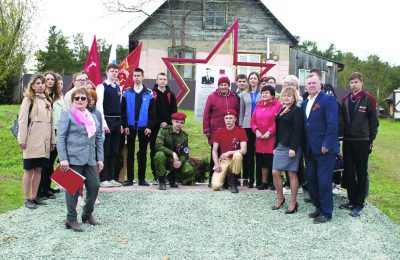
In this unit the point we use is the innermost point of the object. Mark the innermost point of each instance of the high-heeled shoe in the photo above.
(275, 207)
(287, 211)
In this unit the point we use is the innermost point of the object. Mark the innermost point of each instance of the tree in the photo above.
(15, 19)
(80, 52)
(122, 52)
(58, 56)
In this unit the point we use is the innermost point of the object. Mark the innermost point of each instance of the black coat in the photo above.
(289, 128)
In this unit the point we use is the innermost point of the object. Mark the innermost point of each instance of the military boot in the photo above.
(172, 180)
(234, 180)
(161, 183)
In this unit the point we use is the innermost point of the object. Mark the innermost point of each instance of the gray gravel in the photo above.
(196, 225)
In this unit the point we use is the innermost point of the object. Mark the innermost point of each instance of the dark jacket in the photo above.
(147, 116)
(289, 128)
(364, 123)
(165, 105)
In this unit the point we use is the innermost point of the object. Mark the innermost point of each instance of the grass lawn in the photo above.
(384, 170)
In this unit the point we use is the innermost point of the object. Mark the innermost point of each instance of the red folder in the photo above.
(69, 180)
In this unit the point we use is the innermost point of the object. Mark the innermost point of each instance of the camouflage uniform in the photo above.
(168, 142)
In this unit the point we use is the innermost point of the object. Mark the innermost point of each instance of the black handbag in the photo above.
(14, 128)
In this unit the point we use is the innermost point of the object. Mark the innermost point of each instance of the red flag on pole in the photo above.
(92, 66)
(126, 67)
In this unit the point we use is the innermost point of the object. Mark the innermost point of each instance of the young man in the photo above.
(269, 80)
(231, 141)
(360, 129)
(109, 106)
(138, 117)
(322, 145)
(165, 106)
(241, 83)
(173, 153)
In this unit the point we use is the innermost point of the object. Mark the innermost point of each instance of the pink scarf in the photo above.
(84, 118)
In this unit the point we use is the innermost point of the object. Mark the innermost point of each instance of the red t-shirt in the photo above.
(229, 140)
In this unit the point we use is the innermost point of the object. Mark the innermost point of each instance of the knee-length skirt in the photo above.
(282, 161)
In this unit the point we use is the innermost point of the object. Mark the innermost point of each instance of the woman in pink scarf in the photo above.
(80, 147)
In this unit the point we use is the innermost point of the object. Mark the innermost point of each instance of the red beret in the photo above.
(178, 116)
(224, 80)
(230, 112)
(263, 78)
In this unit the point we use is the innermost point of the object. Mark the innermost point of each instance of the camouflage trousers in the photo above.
(164, 163)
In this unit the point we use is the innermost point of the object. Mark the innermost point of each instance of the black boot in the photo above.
(161, 183)
(234, 180)
(172, 180)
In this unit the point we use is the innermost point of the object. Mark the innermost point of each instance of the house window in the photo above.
(187, 71)
(248, 57)
(304, 73)
(214, 14)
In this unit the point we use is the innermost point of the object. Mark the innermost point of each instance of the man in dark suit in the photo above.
(207, 79)
(322, 145)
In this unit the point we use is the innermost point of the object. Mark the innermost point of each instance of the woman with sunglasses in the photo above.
(80, 147)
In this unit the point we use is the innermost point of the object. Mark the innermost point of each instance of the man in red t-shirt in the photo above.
(232, 143)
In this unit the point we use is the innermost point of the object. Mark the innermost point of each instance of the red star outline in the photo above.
(180, 80)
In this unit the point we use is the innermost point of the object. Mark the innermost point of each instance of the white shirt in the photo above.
(310, 104)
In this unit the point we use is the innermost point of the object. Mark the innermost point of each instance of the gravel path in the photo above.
(196, 225)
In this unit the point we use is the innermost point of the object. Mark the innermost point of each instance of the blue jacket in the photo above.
(146, 113)
(321, 127)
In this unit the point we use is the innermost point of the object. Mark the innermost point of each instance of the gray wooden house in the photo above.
(262, 38)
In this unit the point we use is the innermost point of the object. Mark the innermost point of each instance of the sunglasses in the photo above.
(80, 98)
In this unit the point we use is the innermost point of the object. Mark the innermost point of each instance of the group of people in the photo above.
(258, 130)
(87, 127)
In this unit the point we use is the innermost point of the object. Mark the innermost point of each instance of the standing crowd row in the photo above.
(87, 127)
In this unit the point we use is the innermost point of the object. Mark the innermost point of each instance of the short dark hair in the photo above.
(318, 72)
(161, 74)
(356, 75)
(139, 70)
(241, 76)
(111, 66)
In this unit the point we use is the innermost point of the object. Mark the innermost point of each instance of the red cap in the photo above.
(263, 78)
(178, 116)
(230, 112)
(224, 80)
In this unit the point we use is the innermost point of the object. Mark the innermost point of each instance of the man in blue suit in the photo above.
(322, 145)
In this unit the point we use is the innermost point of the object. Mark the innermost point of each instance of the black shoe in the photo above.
(234, 181)
(161, 183)
(287, 211)
(49, 195)
(143, 183)
(74, 225)
(262, 186)
(347, 205)
(321, 219)
(127, 183)
(55, 190)
(271, 186)
(251, 184)
(90, 219)
(172, 180)
(313, 214)
(275, 207)
(38, 201)
(30, 204)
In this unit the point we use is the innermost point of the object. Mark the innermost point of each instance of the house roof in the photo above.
(294, 40)
(340, 65)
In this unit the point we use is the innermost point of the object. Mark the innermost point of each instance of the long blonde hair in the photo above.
(30, 92)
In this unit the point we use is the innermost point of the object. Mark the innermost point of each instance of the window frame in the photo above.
(215, 26)
(302, 81)
(187, 50)
(247, 68)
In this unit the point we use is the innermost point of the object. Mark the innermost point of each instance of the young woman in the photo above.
(263, 125)
(289, 133)
(54, 92)
(248, 101)
(35, 137)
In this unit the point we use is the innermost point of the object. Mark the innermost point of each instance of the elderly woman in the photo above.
(263, 125)
(289, 133)
(218, 102)
(248, 101)
(80, 147)
(35, 137)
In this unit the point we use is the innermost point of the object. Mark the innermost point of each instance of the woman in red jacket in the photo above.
(218, 102)
(263, 125)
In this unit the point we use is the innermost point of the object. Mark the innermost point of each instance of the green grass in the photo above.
(383, 165)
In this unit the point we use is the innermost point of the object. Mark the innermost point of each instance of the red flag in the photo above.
(126, 67)
(92, 66)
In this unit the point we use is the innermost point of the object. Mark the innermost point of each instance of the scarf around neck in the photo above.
(84, 118)
(359, 95)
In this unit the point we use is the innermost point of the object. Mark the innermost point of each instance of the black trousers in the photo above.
(141, 154)
(153, 138)
(47, 170)
(264, 160)
(248, 158)
(111, 149)
(355, 176)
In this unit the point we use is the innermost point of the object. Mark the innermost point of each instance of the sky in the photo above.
(362, 27)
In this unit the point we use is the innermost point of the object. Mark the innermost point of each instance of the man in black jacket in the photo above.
(360, 129)
(165, 106)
